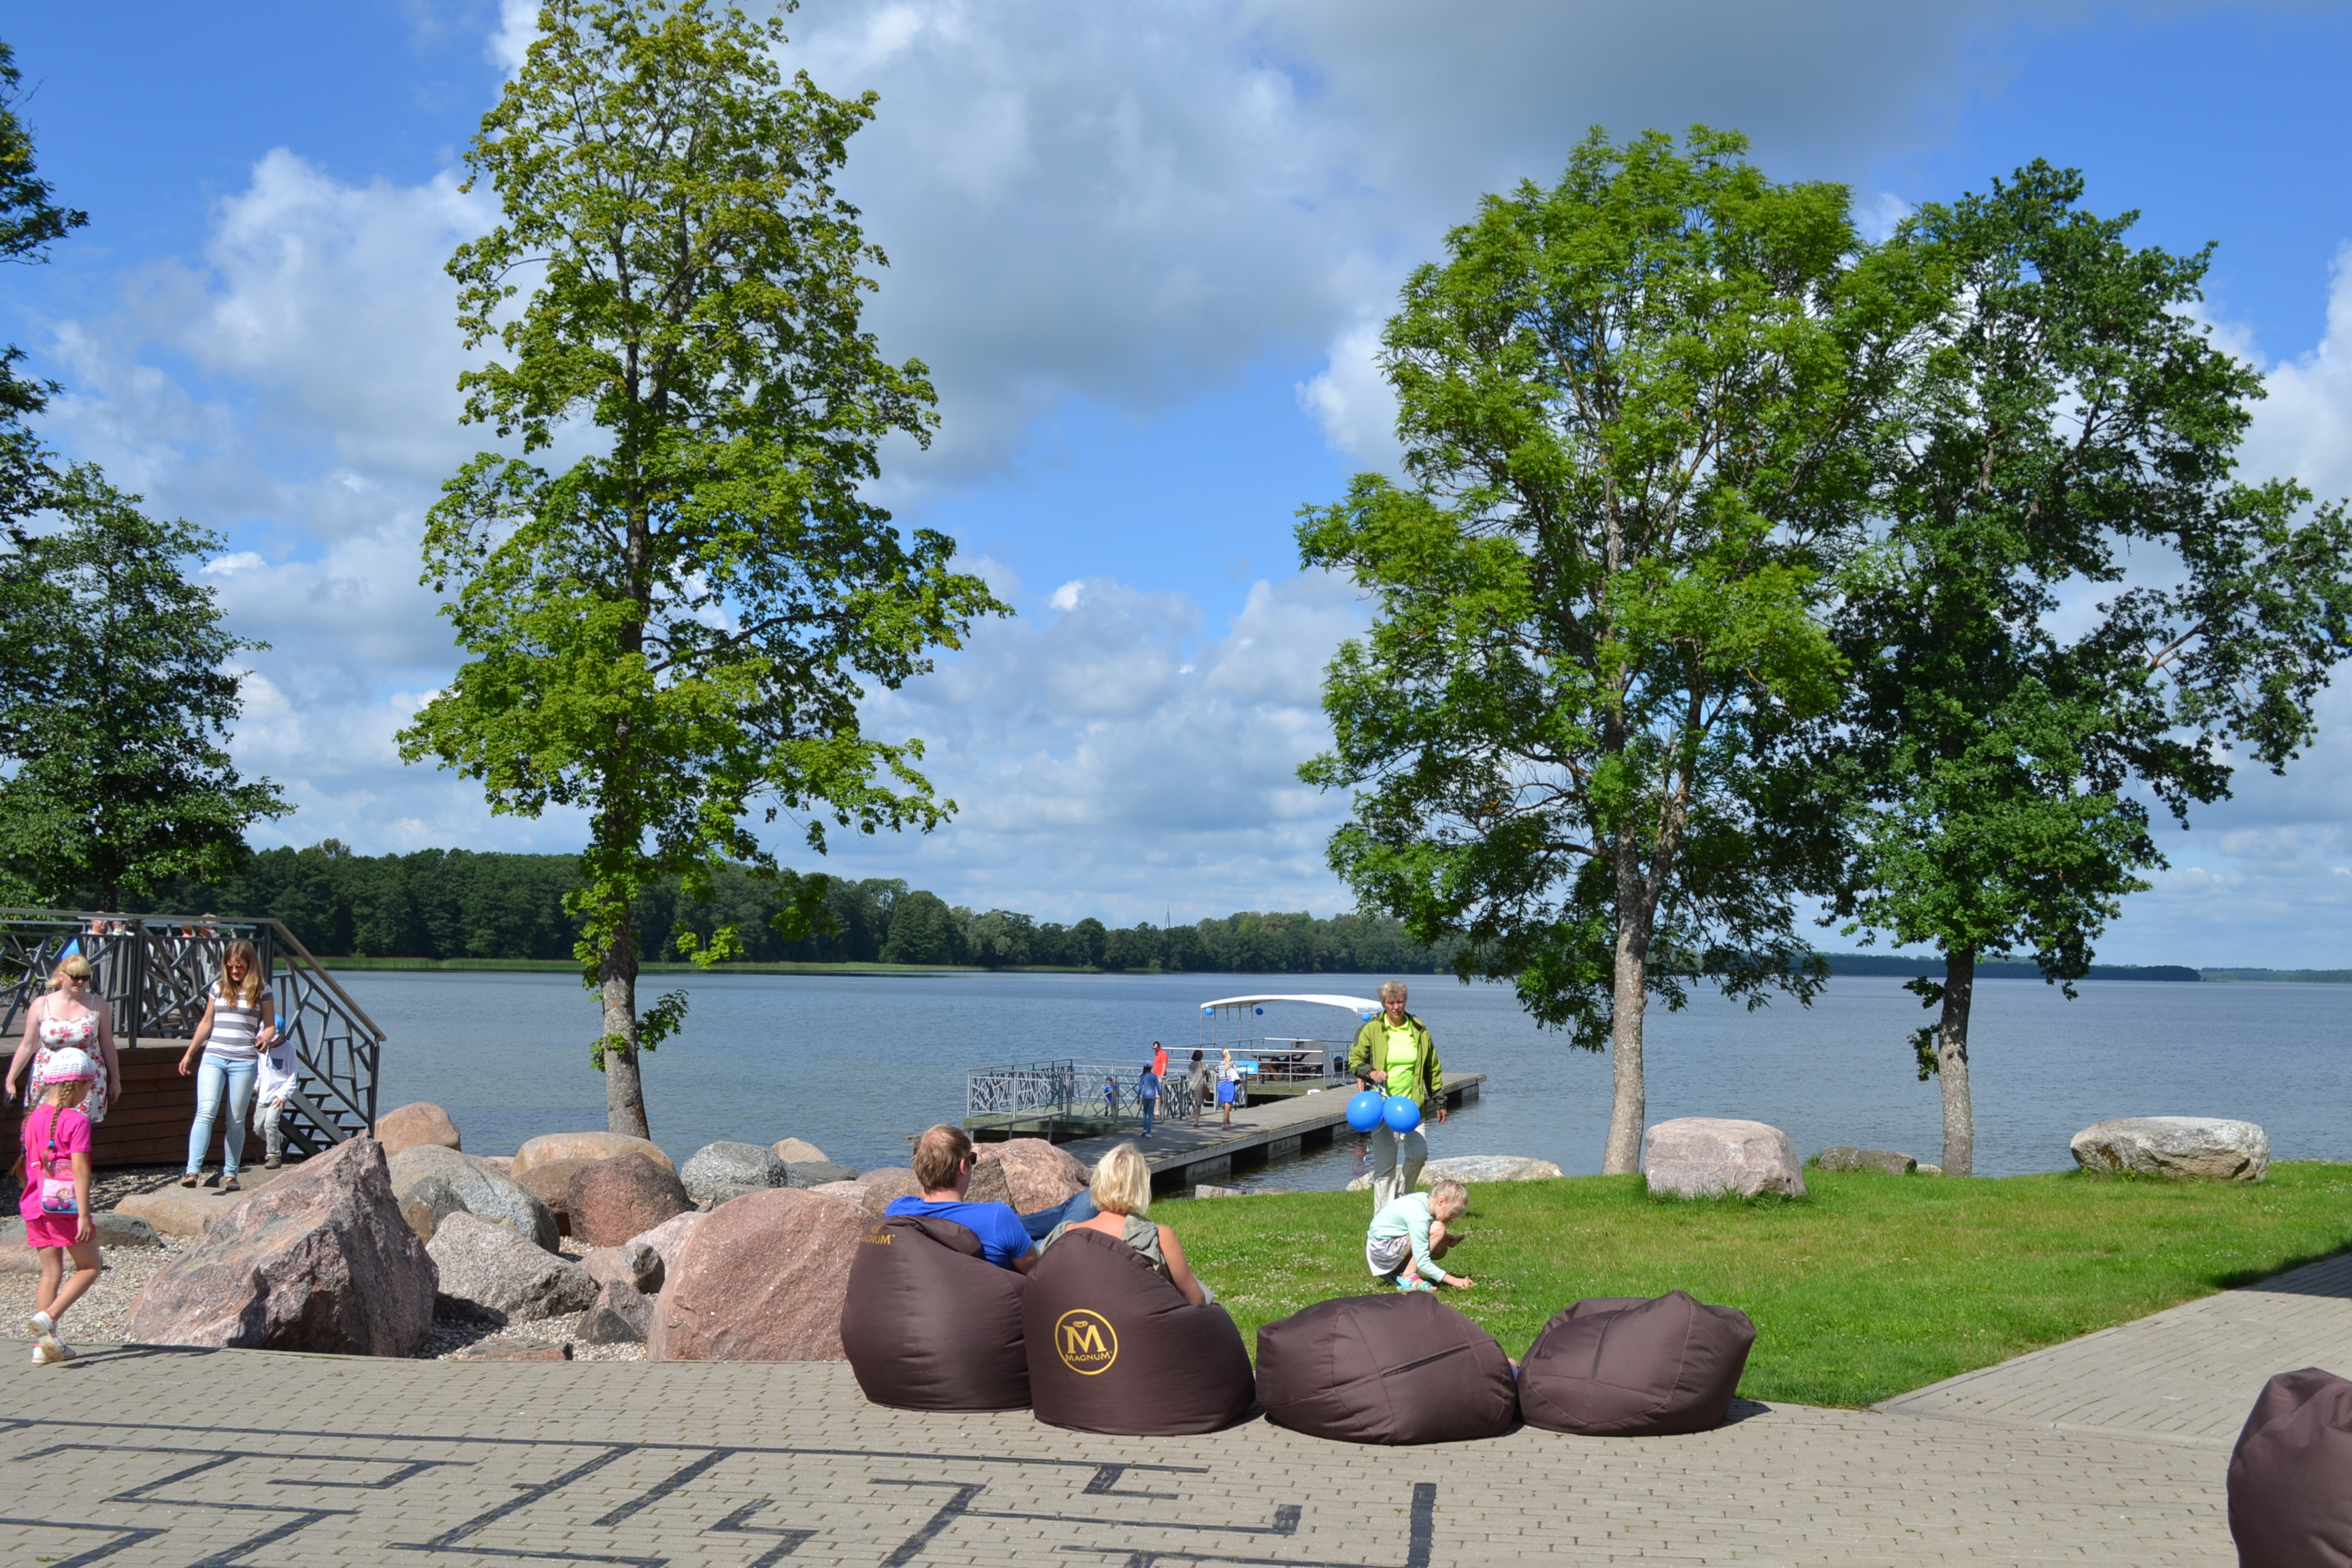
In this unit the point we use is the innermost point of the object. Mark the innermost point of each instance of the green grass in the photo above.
(1870, 1287)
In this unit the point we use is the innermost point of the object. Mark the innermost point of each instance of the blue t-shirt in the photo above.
(1002, 1236)
(1148, 1086)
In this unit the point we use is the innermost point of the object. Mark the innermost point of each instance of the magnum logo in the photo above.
(1085, 1342)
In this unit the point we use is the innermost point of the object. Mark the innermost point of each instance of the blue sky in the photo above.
(1145, 249)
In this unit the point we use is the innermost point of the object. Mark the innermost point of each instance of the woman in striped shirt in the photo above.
(239, 1022)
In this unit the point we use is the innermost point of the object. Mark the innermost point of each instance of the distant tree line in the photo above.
(457, 903)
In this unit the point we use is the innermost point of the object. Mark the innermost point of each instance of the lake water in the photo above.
(857, 1064)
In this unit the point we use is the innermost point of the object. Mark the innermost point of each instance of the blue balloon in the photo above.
(1364, 1111)
(1399, 1113)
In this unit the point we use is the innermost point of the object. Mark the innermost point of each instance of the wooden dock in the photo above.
(1182, 1156)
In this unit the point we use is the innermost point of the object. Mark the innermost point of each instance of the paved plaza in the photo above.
(141, 1457)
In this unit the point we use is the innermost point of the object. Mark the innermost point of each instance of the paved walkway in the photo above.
(144, 1457)
(2186, 1375)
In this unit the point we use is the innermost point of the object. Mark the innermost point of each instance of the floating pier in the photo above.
(1182, 1156)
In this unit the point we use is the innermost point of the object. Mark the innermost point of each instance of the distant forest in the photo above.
(456, 903)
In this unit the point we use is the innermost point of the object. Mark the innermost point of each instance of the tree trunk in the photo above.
(625, 1095)
(1629, 1102)
(1952, 1062)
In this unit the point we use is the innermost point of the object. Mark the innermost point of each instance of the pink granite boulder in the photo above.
(318, 1260)
(761, 1278)
(414, 1124)
(550, 1146)
(609, 1201)
(1037, 1175)
(1711, 1156)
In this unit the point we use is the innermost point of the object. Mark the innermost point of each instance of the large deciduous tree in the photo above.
(30, 222)
(2073, 596)
(673, 631)
(1637, 409)
(121, 782)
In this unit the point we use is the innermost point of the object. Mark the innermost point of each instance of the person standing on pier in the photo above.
(1147, 1092)
(1394, 1054)
(1200, 1079)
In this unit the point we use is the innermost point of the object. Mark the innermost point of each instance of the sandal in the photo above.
(189, 1180)
(228, 1184)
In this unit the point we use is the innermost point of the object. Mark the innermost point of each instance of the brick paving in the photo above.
(2110, 1448)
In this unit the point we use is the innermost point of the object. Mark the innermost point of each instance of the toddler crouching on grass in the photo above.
(56, 1204)
(1411, 1235)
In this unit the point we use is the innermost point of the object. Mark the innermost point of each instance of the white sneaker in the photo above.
(40, 1356)
(61, 1351)
(45, 1334)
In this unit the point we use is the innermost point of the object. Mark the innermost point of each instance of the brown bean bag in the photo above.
(2291, 1474)
(1385, 1369)
(1115, 1348)
(929, 1323)
(1618, 1366)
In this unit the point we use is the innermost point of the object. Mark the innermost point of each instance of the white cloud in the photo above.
(229, 565)
(1352, 401)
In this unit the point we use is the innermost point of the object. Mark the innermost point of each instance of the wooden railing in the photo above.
(155, 972)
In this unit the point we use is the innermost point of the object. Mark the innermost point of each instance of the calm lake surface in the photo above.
(858, 1065)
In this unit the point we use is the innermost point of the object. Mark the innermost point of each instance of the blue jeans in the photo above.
(1150, 1106)
(214, 1078)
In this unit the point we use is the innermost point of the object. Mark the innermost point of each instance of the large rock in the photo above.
(857, 1192)
(760, 1279)
(888, 1183)
(634, 1263)
(483, 1194)
(668, 1238)
(1038, 1174)
(990, 1185)
(190, 1211)
(621, 1315)
(1714, 1156)
(426, 1202)
(817, 1173)
(734, 1166)
(613, 1200)
(1844, 1157)
(489, 1272)
(792, 1151)
(2206, 1147)
(318, 1260)
(412, 1125)
(1478, 1168)
(551, 1183)
(583, 1146)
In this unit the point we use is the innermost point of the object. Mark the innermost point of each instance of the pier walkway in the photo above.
(1182, 1155)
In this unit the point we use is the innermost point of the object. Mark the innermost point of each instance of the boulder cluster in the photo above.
(742, 1254)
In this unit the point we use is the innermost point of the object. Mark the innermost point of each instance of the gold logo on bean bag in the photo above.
(1085, 1341)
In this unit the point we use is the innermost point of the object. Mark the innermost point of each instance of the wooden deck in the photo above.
(1182, 1156)
(148, 1124)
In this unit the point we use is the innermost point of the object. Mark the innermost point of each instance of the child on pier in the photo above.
(56, 1204)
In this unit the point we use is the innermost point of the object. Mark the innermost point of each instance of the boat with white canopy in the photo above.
(1279, 1063)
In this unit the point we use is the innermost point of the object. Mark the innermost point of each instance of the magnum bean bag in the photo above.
(2291, 1474)
(1385, 1369)
(929, 1323)
(1623, 1367)
(1115, 1348)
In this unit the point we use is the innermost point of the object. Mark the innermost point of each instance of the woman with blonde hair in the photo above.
(1122, 1192)
(66, 1019)
(240, 1022)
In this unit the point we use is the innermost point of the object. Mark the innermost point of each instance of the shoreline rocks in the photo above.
(551, 1146)
(2200, 1148)
(486, 1271)
(731, 1168)
(1717, 1156)
(479, 1190)
(763, 1278)
(1476, 1168)
(613, 1200)
(1844, 1157)
(319, 1260)
(412, 1125)
(1037, 1175)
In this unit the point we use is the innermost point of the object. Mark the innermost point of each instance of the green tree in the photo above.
(1636, 410)
(30, 222)
(673, 632)
(122, 783)
(2072, 432)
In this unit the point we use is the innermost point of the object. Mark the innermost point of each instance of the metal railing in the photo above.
(156, 972)
(1096, 1090)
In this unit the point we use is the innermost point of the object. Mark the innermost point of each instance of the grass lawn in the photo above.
(1870, 1287)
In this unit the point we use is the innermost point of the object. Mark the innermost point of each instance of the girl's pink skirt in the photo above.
(51, 1229)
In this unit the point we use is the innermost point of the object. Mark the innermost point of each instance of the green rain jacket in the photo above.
(1373, 1036)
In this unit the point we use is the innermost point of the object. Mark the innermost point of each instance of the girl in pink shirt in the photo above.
(56, 1204)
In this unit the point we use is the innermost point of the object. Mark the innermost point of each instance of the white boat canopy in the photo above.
(1362, 1007)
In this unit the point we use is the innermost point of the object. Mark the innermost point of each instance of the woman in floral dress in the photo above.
(67, 1017)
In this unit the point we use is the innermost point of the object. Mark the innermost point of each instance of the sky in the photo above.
(1146, 250)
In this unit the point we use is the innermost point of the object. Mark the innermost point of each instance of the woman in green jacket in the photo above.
(1394, 1054)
